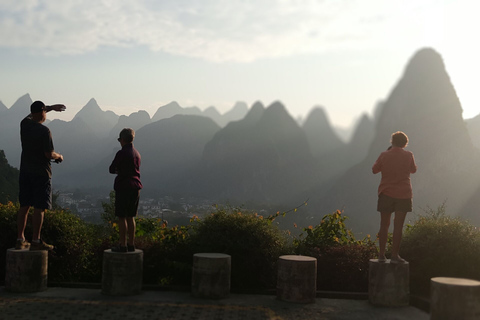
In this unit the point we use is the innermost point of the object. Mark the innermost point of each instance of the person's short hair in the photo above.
(37, 106)
(127, 135)
(399, 139)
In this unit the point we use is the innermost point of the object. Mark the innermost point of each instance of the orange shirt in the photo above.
(396, 165)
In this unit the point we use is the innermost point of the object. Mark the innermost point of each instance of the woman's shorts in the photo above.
(389, 204)
(126, 202)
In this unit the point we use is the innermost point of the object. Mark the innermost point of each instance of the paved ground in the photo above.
(76, 304)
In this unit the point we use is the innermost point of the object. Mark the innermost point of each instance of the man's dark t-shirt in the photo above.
(36, 140)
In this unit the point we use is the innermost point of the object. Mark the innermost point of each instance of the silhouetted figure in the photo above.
(394, 192)
(127, 189)
(35, 173)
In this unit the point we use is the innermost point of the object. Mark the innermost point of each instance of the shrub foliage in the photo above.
(435, 245)
(438, 245)
(253, 242)
(342, 261)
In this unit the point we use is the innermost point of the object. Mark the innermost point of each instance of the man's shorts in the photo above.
(389, 204)
(126, 203)
(35, 190)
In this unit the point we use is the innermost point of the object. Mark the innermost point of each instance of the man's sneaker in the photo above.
(130, 248)
(119, 248)
(22, 244)
(41, 245)
(382, 258)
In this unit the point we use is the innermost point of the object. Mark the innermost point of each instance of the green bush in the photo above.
(438, 245)
(253, 242)
(167, 256)
(342, 261)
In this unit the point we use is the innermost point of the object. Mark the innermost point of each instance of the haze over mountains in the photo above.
(262, 155)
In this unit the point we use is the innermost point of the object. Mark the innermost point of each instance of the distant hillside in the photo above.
(8, 180)
(170, 148)
(425, 106)
(264, 157)
(238, 111)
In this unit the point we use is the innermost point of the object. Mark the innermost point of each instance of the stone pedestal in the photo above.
(454, 298)
(26, 271)
(297, 279)
(388, 283)
(211, 275)
(122, 273)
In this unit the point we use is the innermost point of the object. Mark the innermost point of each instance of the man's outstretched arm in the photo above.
(56, 107)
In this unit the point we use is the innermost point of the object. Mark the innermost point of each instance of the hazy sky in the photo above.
(344, 55)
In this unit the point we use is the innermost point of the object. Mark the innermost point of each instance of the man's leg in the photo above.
(37, 223)
(131, 226)
(22, 216)
(397, 232)
(383, 232)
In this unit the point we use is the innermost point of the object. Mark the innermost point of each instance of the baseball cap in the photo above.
(37, 106)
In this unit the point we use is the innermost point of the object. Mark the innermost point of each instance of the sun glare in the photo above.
(460, 50)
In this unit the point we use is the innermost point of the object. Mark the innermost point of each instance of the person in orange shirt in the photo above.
(394, 192)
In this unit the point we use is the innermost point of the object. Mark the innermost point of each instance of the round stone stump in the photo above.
(26, 271)
(454, 298)
(388, 283)
(211, 275)
(297, 279)
(122, 273)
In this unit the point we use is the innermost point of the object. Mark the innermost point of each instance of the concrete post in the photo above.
(297, 279)
(454, 298)
(211, 275)
(26, 271)
(122, 273)
(388, 283)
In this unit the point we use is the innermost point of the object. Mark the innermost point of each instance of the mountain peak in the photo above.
(240, 105)
(89, 111)
(317, 117)
(23, 101)
(92, 104)
(167, 111)
(321, 136)
(425, 60)
(423, 98)
(255, 113)
(277, 115)
(277, 106)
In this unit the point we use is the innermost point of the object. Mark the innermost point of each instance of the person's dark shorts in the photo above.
(126, 203)
(389, 204)
(35, 190)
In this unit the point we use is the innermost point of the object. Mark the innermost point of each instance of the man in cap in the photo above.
(35, 173)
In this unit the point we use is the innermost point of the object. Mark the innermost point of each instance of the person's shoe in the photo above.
(130, 248)
(382, 258)
(41, 245)
(398, 259)
(119, 248)
(22, 244)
